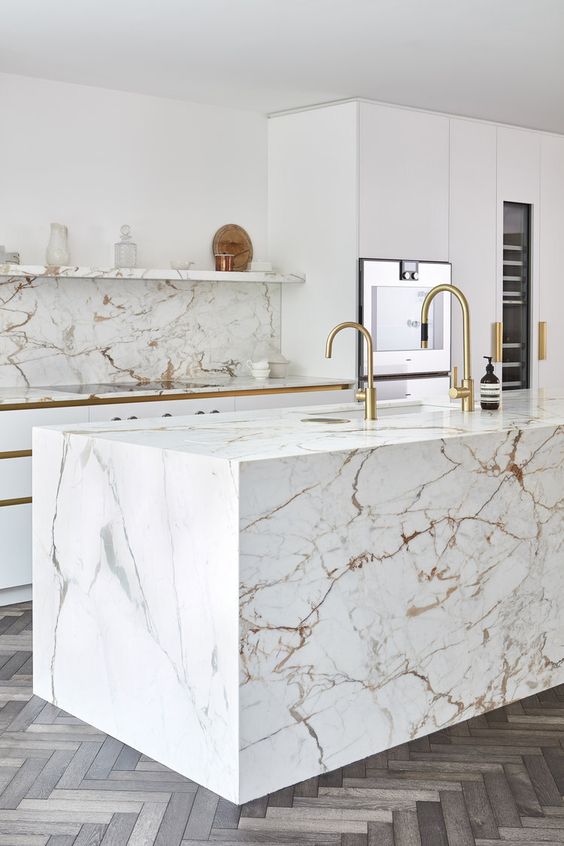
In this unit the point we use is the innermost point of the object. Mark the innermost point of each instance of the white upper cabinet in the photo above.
(472, 233)
(404, 184)
(551, 287)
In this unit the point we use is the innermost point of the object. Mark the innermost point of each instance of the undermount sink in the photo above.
(387, 408)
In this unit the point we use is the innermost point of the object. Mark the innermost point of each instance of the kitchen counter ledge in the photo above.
(12, 398)
(256, 600)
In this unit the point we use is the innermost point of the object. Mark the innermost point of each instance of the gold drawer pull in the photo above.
(498, 343)
(542, 340)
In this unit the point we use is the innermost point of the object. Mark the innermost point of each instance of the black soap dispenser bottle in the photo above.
(490, 388)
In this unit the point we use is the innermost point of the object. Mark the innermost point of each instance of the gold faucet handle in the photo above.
(454, 377)
(360, 395)
(457, 392)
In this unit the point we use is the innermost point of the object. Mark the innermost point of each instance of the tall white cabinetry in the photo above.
(551, 284)
(346, 181)
(472, 233)
(359, 179)
(403, 184)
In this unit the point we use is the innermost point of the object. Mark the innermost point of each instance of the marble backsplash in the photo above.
(56, 331)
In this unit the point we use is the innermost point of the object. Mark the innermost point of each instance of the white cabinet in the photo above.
(15, 561)
(15, 483)
(293, 399)
(404, 183)
(350, 180)
(168, 408)
(551, 287)
(472, 234)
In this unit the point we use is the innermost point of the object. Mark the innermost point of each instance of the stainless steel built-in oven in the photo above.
(391, 295)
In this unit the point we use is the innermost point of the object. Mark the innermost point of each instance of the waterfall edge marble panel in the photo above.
(57, 331)
(295, 610)
(137, 609)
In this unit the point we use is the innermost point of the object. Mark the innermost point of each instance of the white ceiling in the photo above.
(496, 59)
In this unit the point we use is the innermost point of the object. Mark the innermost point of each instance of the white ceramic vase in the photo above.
(58, 246)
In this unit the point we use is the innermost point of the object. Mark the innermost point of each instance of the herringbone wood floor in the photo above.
(493, 780)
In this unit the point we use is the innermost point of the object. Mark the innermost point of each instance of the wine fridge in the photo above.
(516, 295)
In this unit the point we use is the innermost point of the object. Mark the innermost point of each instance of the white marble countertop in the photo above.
(102, 392)
(279, 433)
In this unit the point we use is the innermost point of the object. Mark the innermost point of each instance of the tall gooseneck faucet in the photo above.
(465, 391)
(368, 395)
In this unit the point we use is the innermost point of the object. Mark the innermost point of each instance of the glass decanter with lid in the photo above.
(125, 250)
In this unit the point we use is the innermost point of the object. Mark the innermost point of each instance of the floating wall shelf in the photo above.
(34, 271)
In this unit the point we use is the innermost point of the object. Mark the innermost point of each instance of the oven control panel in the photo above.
(409, 270)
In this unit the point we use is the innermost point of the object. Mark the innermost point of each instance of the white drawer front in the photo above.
(169, 408)
(15, 478)
(15, 534)
(16, 426)
(293, 399)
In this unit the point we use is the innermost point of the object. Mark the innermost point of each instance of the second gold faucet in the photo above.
(465, 391)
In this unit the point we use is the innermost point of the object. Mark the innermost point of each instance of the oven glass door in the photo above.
(392, 313)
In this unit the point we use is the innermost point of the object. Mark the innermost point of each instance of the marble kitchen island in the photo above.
(254, 600)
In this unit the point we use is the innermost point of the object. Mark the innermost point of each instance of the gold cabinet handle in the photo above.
(498, 342)
(542, 340)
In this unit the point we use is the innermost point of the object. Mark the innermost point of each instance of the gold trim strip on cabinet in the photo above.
(125, 398)
(542, 340)
(498, 344)
(16, 453)
(22, 500)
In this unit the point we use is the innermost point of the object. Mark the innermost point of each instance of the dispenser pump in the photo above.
(490, 388)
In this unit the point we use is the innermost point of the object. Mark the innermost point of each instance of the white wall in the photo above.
(95, 159)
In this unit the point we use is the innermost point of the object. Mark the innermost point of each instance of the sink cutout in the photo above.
(324, 420)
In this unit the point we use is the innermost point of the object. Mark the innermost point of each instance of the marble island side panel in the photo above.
(287, 616)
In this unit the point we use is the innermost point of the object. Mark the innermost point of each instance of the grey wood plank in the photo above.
(50, 775)
(227, 837)
(79, 765)
(256, 808)
(555, 761)
(27, 715)
(90, 834)
(356, 770)
(105, 759)
(282, 798)
(119, 829)
(21, 782)
(227, 814)
(431, 824)
(60, 840)
(175, 819)
(201, 816)
(19, 623)
(309, 787)
(332, 779)
(12, 666)
(127, 759)
(480, 811)
(502, 801)
(137, 785)
(48, 714)
(406, 829)
(354, 840)
(522, 790)
(457, 821)
(380, 834)
(147, 825)
(542, 780)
